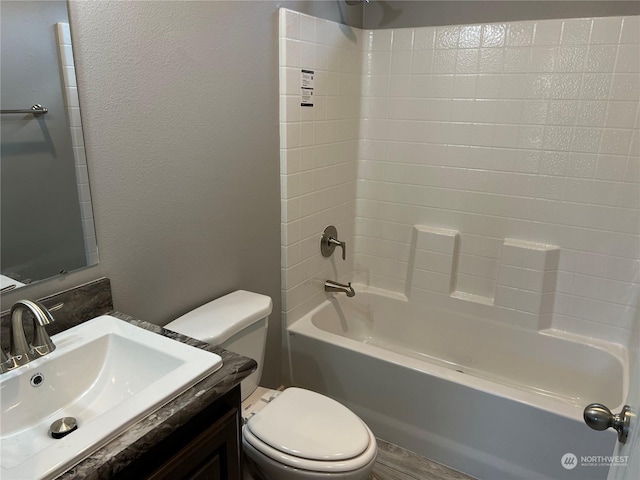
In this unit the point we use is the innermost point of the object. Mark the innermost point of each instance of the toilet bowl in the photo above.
(299, 434)
(305, 435)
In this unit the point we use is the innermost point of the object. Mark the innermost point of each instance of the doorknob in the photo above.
(599, 417)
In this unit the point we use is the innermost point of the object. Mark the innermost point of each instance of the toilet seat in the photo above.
(320, 434)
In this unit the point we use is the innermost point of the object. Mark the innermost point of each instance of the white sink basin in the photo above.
(106, 373)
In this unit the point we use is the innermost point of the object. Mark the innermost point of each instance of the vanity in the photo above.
(205, 447)
(195, 435)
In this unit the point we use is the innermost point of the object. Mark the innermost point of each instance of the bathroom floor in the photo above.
(396, 463)
(393, 462)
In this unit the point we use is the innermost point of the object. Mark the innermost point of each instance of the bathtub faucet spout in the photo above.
(336, 287)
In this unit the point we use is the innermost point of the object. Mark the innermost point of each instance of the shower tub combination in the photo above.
(489, 399)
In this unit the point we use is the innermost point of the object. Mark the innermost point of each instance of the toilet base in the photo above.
(250, 470)
(270, 470)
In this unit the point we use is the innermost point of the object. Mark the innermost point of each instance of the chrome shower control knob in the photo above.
(599, 417)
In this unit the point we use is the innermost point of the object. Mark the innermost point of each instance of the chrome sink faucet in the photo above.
(336, 287)
(22, 352)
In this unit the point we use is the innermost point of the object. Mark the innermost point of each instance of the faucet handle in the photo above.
(329, 242)
(338, 243)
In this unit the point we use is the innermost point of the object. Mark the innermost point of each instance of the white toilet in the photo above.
(299, 434)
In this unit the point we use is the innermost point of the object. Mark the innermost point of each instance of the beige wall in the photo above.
(180, 107)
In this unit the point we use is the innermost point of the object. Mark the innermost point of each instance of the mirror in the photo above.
(46, 216)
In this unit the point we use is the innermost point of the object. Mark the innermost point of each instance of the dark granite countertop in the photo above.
(146, 433)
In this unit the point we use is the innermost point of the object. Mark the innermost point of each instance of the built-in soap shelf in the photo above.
(472, 297)
(526, 273)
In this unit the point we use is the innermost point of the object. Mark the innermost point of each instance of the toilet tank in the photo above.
(237, 322)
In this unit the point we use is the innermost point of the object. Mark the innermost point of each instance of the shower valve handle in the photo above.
(329, 242)
(337, 243)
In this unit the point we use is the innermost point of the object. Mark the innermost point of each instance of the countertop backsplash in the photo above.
(78, 305)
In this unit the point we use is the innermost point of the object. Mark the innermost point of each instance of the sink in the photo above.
(106, 373)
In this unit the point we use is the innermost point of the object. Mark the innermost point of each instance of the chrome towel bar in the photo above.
(36, 109)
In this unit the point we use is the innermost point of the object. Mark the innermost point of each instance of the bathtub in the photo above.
(491, 400)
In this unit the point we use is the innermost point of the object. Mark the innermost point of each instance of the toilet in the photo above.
(299, 434)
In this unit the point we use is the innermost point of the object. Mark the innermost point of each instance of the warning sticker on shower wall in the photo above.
(307, 86)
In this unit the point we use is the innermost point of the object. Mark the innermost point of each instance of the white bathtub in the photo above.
(491, 400)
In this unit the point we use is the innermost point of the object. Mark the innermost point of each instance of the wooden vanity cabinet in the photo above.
(205, 448)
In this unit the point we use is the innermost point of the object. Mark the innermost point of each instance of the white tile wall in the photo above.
(67, 64)
(523, 130)
(319, 152)
(526, 130)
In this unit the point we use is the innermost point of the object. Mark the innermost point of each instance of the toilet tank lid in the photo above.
(217, 321)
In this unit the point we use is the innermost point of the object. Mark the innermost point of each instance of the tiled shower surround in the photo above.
(498, 167)
(319, 153)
